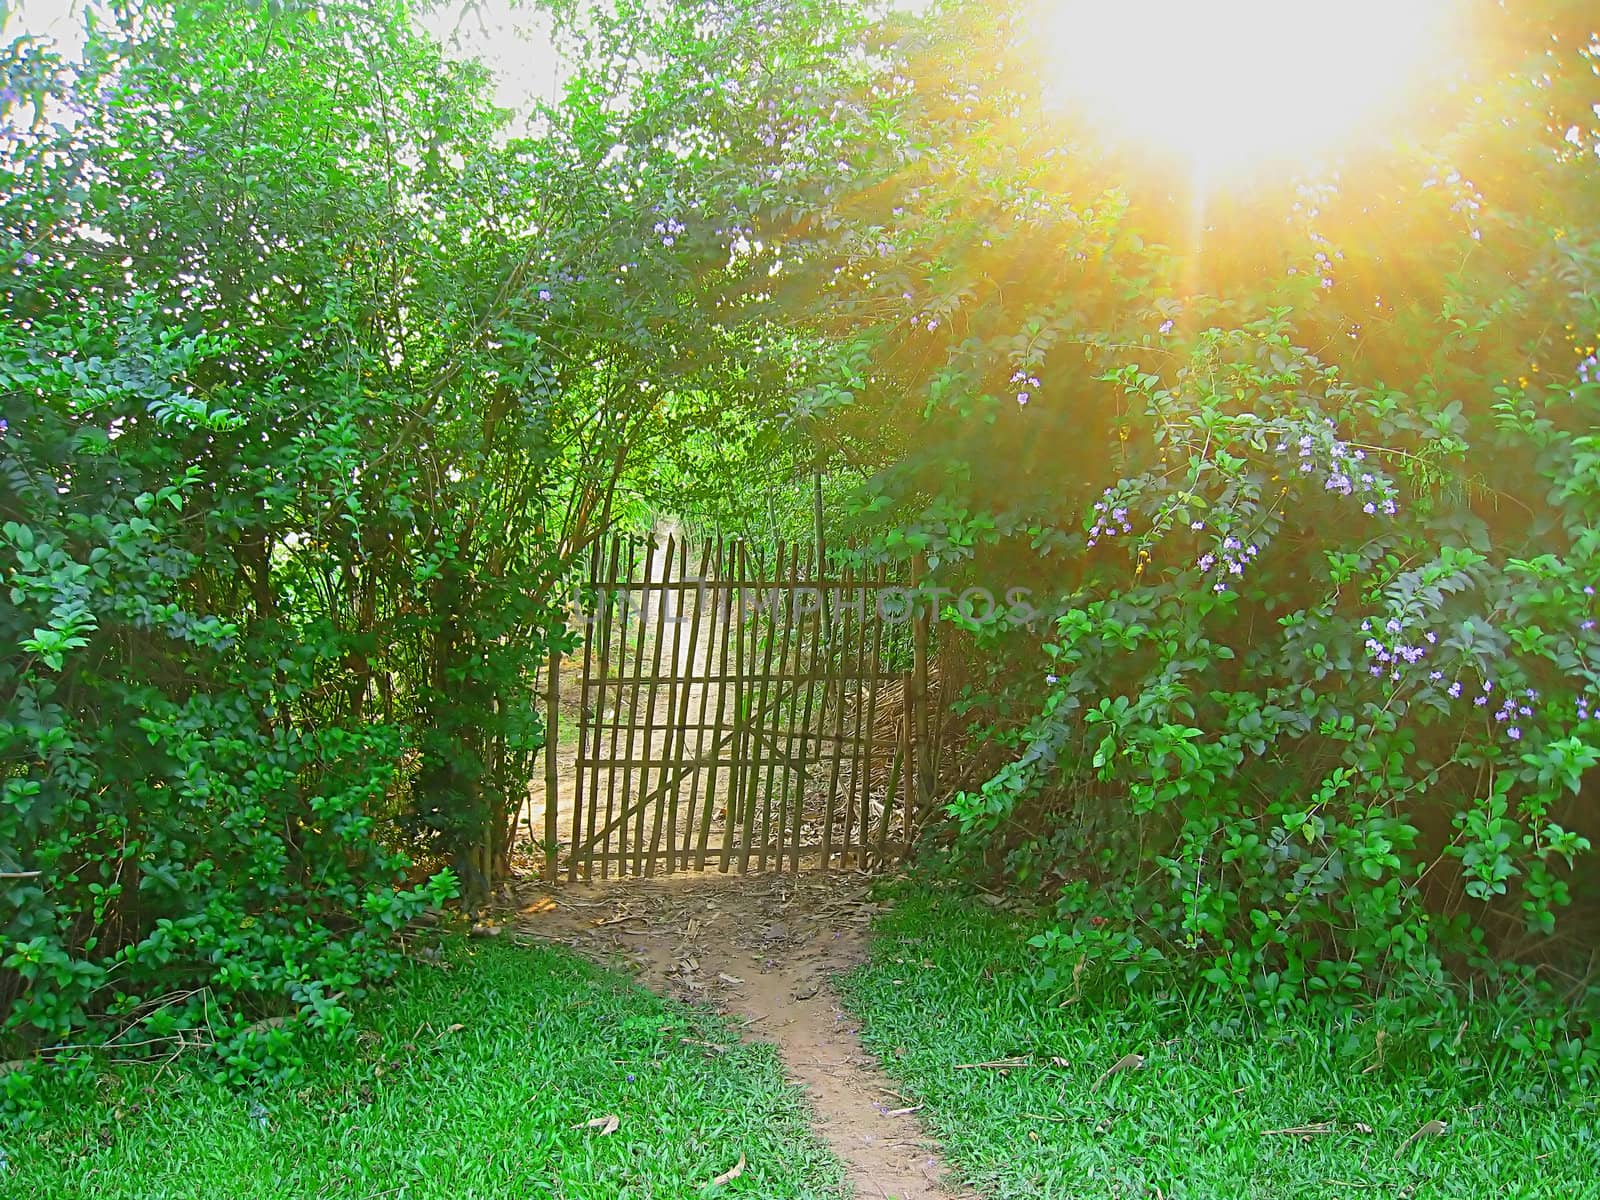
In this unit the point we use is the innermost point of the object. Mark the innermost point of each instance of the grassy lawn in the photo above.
(467, 1083)
(946, 987)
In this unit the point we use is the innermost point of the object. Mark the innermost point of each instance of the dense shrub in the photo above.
(1304, 490)
(318, 376)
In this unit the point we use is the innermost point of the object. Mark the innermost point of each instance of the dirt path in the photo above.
(761, 949)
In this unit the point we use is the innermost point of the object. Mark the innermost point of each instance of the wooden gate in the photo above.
(737, 714)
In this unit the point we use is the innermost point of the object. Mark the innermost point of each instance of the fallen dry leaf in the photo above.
(730, 1174)
(606, 1124)
(1428, 1129)
(1128, 1062)
(542, 905)
(734, 979)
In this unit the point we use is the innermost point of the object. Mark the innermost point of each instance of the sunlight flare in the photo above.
(1227, 87)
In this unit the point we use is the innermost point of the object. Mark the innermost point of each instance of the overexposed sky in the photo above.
(512, 39)
(58, 19)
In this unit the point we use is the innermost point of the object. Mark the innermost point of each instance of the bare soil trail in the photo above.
(761, 949)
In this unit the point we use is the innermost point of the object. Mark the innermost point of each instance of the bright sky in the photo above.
(511, 38)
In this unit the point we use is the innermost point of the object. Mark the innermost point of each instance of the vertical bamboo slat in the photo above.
(590, 629)
(874, 676)
(807, 706)
(552, 769)
(758, 710)
(920, 762)
(783, 622)
(655, 631)
(722, 617)
(703, 662)
(678, 694)
(606, 613)
(732, 805)
(638, 582)
(837, 672)
(617, 648)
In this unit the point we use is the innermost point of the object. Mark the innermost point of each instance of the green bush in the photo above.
(319, 377)
(1300, 475)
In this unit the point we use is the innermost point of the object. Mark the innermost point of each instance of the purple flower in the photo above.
(1454, 690)
(1514, 734)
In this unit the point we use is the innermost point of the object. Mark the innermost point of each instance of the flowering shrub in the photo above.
(1307, 466)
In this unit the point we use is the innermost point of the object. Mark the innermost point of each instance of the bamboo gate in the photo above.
(738, 713)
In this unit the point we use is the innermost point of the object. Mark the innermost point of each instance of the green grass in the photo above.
(947, 985)
(414, 1110)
